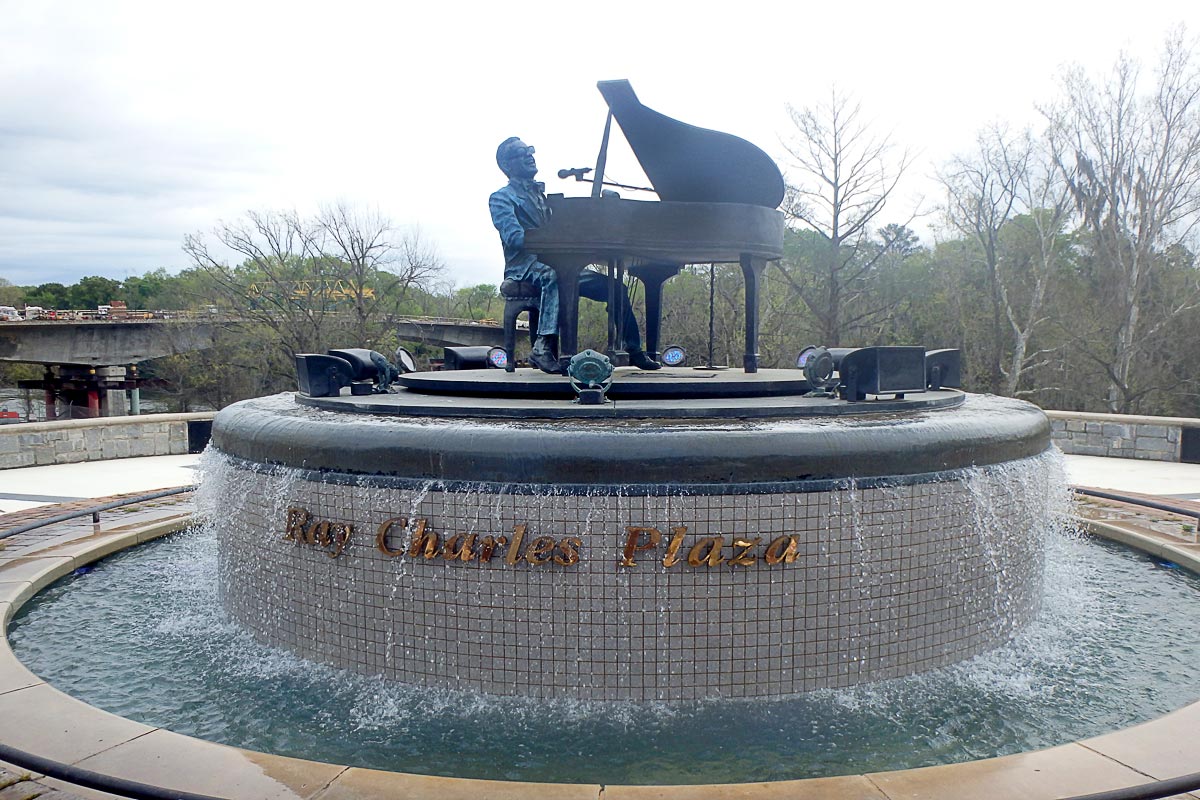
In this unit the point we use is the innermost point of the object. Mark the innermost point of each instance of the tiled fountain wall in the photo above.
(809, 585)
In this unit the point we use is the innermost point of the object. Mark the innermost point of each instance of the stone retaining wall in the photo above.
(69, 441)
(1119, 435)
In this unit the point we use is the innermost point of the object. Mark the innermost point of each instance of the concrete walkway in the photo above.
(30, 487)
(1166, 479)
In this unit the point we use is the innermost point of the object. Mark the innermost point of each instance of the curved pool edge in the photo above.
(36, 717)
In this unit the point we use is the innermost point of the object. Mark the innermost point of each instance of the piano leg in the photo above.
(617, 309)
(752, 273)
(614, 315)
(653, 316)
(653, 276)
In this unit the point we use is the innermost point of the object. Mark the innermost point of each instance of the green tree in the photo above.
(10, 295)
(145, 291)
(93, 291)
(47, 295)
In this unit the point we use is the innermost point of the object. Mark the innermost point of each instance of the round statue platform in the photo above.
(635, 394)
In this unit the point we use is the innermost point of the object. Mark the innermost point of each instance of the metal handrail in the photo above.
(1146, 791)
(1140, 501)
(77, 776)
(94, 511)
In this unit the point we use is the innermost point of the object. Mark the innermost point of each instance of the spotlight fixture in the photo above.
(471, 357)
(943, 368)
(817, 364)
(591, 375)
(674, 356)
(497, 357)
(894, 370)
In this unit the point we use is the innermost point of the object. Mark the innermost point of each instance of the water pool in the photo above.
(143, 635)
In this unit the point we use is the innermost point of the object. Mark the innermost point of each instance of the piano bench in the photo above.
(518, 296)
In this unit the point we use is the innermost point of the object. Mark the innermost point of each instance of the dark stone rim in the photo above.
(980, 432)
(624, 490)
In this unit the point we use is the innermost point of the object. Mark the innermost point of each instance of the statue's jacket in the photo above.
(516, 208)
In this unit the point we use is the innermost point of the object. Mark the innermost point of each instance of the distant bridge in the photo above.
(449, 332)
(100, 342)
(111, 342)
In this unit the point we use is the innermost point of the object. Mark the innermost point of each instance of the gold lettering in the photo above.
(713, 557)
(381, 536)
(653, 536)
(459, 547)
(297, 518)
(744, 558)
(539, 551)
(514, 548)
(424, 543)
(316, 531)
(782, 550)
(672, 556)
(488, 545)
(341, 532)
(568, 551)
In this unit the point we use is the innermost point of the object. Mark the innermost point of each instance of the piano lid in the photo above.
(689, 164)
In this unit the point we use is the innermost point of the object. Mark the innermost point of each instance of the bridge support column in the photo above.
(116, 402)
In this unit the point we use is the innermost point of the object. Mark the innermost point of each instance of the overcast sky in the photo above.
(124, 126)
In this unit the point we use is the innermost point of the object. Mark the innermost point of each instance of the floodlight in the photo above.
(894, 370)
(673, 356)
(475, 357)
(404, 360)
(497, 357)
(943, 368)
(817, 364)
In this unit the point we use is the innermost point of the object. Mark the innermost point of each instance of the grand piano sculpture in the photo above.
(719, 199)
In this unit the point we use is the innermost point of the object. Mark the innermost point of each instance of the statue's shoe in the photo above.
(639, 359)
(546, 362)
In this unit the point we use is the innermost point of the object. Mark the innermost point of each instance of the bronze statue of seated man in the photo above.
(520, 206)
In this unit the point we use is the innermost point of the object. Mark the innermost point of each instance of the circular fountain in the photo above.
(650, 549)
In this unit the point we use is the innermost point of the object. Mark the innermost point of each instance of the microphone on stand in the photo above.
(577, 173)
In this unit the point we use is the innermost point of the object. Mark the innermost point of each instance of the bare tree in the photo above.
(1046, 198)
(981, 197)
(1132, 163)
(1010, 201)
(337, 279)
(278, 281)
(845, 174)
(377, 265)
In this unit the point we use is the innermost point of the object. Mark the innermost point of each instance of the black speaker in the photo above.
(879, 370)
(466, 357)
(322, 375)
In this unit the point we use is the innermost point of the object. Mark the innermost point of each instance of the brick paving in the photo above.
(23, 544)
(18, 785)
